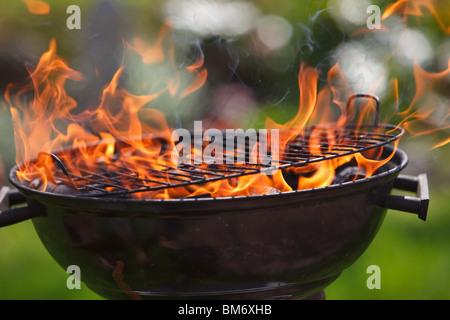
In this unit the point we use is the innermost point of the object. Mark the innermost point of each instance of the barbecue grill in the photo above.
(275, 245)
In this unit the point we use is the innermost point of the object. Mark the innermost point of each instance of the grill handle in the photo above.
(418, 204)
(10, 198)
(368, 96)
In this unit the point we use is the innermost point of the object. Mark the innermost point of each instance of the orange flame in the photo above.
(425, 115)
(157, 52)
(154, 53)
(37, 7)
(122, 116)
(424, 106)
(200, 77)
(420, 8)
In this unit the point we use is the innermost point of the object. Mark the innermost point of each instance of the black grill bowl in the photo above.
(284, 245)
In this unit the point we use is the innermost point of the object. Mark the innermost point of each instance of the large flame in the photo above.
(121, 116)
(124, 129)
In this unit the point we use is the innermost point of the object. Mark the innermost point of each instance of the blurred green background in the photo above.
(413, 256)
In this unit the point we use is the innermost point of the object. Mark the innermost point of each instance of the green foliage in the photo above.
(28, 272)
(413, 257)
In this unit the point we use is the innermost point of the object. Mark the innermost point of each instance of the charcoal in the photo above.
(348, 174)
(61, 188)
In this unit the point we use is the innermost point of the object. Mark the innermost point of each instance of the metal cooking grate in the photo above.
(107, 182)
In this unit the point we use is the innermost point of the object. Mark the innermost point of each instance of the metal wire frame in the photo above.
(107, 178)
